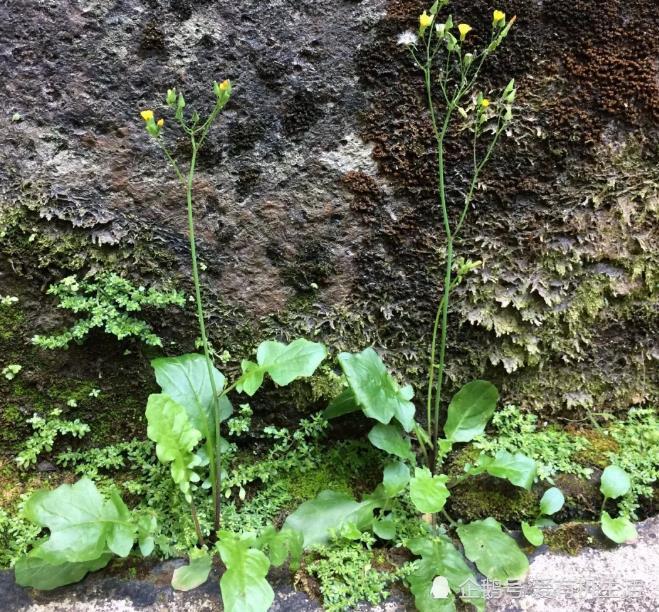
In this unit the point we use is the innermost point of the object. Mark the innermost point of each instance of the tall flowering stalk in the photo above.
(450, 73)
(197, 131)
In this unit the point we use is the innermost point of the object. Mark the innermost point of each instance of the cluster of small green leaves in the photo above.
(11, 371)
(638, 454)
(106, 301)
(287, 451)
(348, 573)
(46, 430)
(16, 536)
(552, 449)
(8, 300)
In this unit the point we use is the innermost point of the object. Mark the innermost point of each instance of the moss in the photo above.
(11, 320)
(582, 496)
(34, 241)
(569, 538)
(303, 486)
(600, 445)
(483, 496)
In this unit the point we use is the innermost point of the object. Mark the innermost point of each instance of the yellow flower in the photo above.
(147, 115)
(224, 85)
(498, 16)
(424, 20)
(464, 29)
(160, 122)
(485, 102)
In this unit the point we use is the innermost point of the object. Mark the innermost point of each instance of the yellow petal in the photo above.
(485, 102)
(498, 16)
(425, 20)
(147, 115)
(464, 29)
(224, 85)
(160, 122)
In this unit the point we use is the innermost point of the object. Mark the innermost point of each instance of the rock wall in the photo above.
(315, 204)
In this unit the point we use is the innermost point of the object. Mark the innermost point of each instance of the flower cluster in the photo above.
(176, 102)
(428, 19)
(152, 126)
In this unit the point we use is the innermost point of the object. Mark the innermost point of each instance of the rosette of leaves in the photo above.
(372, 390)
(85, 530)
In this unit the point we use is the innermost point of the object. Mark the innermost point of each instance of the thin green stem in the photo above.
(449, 519)
(197, 526)
(442, 341)
(217, 475)
(474, 180)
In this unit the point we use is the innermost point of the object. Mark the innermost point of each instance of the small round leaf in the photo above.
(615, 482)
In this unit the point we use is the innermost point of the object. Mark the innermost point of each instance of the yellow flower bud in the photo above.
(147, 115)
(425, 20)
(464, 29)
(485, 102)
(498, 16)
(160, 122)
(224, 85)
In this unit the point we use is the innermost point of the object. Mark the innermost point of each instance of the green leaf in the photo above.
(283, 362)
(122, 535)
(146, 529)
(552, 501)
(344, 403)
(385, 528)
(185, 379)
(243, 584)
(329, 511)
(389, 438)
(533, 534)
(280, 545)
(175, 437)
(494, 552)
(470, 410)
(518, 469)
(82, 524)
(31, 571)
(396, 477)
(440, 558)
(376, 391)
(615, 482)
(194, 574)
(427, 492)
(620, 529)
